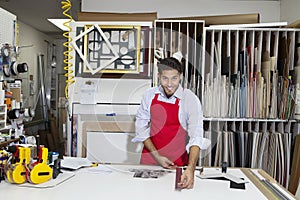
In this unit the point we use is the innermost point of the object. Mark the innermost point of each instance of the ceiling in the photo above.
(36, 12)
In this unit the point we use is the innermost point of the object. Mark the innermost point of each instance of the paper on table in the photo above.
(223, 175)
(100, 169)
(74, 163)
(62, 177)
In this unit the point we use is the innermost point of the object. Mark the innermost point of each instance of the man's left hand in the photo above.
(187, 179)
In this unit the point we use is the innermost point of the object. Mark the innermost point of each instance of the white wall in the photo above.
(59, 55)
(269, 10)
(7, 20)
(290, 10)
(31, 44)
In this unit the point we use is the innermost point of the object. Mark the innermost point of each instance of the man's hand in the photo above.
(165, 162)
(187, 179)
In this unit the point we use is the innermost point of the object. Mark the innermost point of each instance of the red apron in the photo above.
(166, 134)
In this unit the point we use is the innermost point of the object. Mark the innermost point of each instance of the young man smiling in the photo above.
(169, 122)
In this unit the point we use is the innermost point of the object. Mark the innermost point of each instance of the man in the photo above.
(167, 117)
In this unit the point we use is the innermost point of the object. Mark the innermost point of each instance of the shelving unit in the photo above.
(245, 80)
(3, 116)
(185, 36)
(249, 98)
(247, 72)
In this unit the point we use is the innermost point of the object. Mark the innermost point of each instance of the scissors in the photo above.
(159, 53)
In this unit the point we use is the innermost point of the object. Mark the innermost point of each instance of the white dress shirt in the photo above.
(190, 115)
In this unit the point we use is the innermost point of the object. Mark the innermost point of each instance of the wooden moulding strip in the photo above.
(256, 181)
(295, 170)
(271, 180)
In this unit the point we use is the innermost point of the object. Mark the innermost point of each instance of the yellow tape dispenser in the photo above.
(16, 173)
(40, 172)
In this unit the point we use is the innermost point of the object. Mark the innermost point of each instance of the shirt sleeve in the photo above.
(193, 117)
(142, 127)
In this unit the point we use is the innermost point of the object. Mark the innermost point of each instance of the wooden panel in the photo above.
(295, 171)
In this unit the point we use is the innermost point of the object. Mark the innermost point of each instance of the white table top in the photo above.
(116, 182)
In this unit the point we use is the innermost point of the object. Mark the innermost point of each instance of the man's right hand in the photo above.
(165, 162)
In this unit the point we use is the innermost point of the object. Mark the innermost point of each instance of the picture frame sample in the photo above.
(113, 48)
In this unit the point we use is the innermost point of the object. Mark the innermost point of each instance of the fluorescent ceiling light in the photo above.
(60, 23)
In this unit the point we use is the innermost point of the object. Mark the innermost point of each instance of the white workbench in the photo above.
(116, 182)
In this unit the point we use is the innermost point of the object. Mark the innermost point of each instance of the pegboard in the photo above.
(8, 24)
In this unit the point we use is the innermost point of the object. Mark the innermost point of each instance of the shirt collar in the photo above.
(178, 93)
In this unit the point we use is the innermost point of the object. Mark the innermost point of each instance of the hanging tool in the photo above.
(42, 94)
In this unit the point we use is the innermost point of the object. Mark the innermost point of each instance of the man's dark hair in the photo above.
(169, 64)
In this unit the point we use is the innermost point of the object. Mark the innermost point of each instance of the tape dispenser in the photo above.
(39, 171)
(16, 172)
(3, 162)
(20, 169)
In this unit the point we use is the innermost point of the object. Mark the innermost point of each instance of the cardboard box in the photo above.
(107, 16)
(295, 24)
(223, 19)
(209, 20)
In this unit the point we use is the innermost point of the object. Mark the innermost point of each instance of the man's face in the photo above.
(169, 80)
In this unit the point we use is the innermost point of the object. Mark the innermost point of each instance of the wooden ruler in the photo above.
(177, 178)
(266, 185)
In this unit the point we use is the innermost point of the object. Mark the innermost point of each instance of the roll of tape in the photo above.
(31, 140)
(5, 53)
(22, 68)
(26, 112)
(6, 70)
(13, 114)
(13, 68)
(29, 112)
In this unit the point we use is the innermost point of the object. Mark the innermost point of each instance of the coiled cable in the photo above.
(66, 6)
